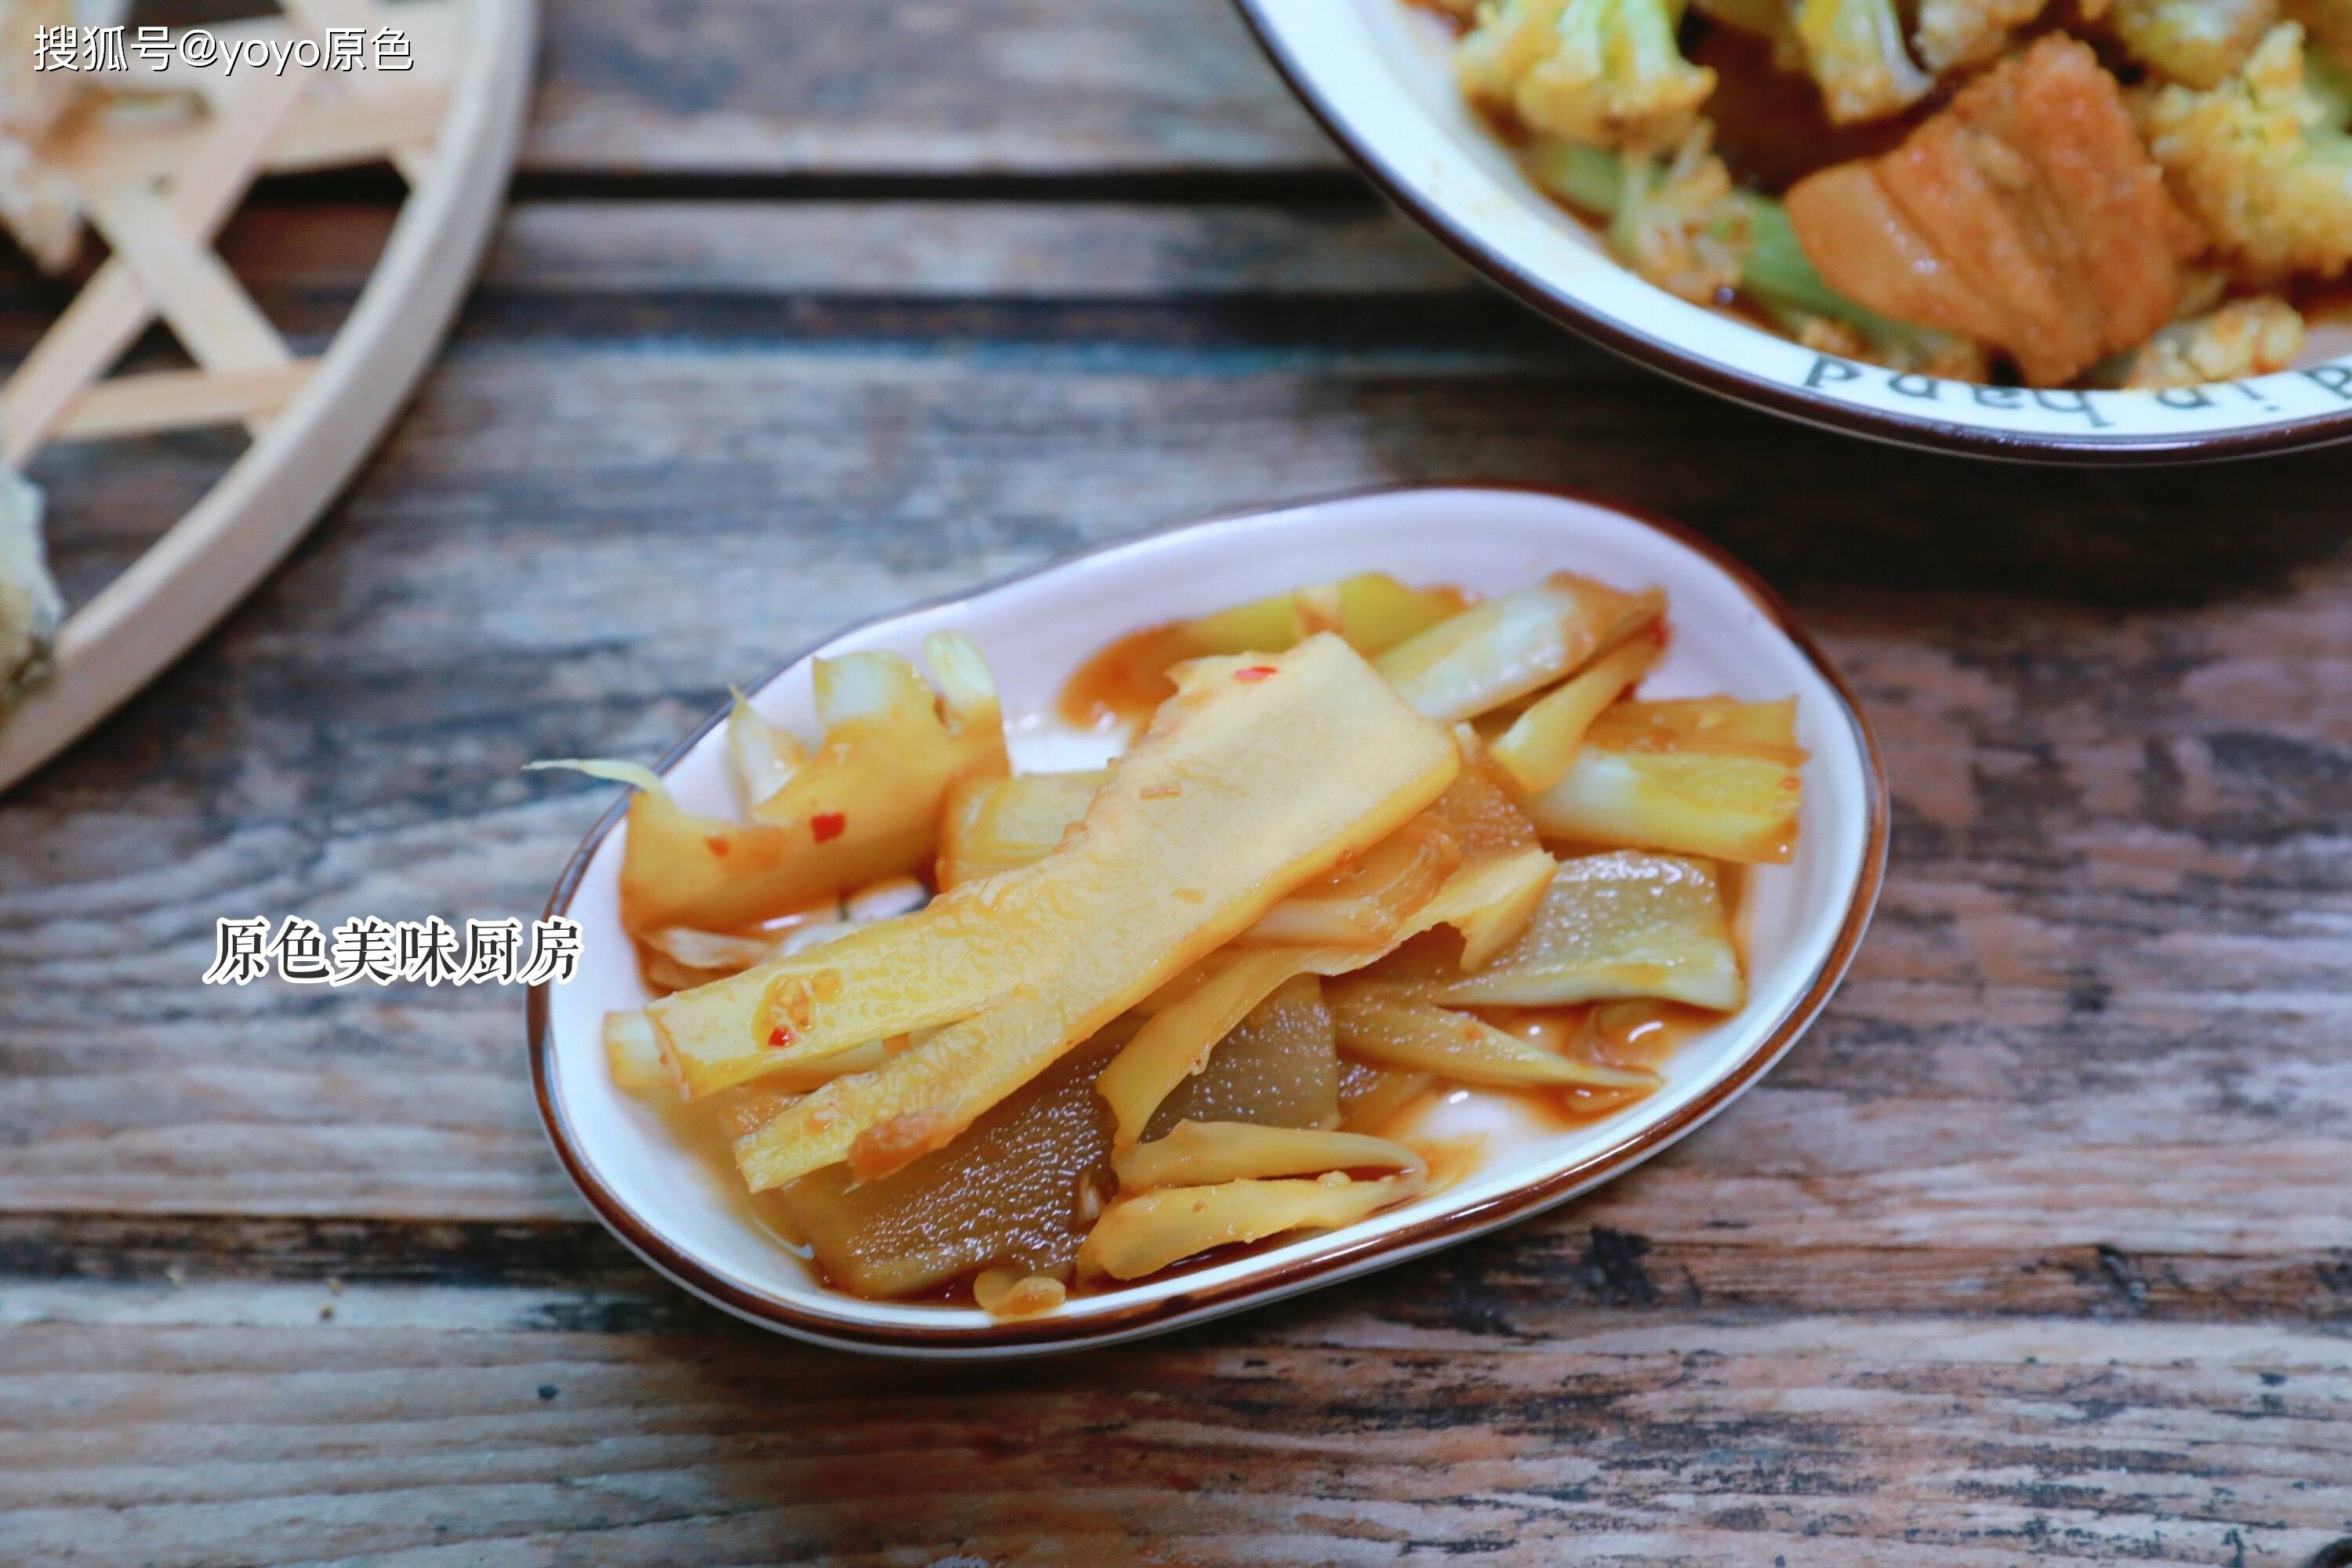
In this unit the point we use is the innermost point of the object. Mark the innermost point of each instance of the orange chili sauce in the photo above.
(1123, 683)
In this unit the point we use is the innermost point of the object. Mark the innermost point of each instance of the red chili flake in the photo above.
(827, 825)
(717, 844)
(779, 1036)
(1254, 672)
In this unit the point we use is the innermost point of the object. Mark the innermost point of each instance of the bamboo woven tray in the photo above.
(157, 196)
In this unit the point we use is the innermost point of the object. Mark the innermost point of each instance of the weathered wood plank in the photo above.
(2103, 1006)
(243, 1272)
(937, 87)
(1299, 1437)
(1342, 243)
(714, 269)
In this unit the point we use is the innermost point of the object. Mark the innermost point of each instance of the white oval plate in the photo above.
(679, 1212)
(1377, 74)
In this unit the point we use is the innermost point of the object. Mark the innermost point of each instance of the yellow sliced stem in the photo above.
(1726, 806)
(944, 962)
(1145, 1234)
(1417, 1036)
(1722, 725)
(1176, 1042)
(1203, 1153)
(1542, 742)
(1364, 903)
(1506, 647)
(1007, 1293)
(1492, 901)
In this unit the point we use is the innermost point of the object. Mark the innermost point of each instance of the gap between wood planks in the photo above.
(1536, 1281)
(1315, 187)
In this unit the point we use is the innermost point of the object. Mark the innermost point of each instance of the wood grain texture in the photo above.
(931, 87)
(1325, 1435)
(2104, 989)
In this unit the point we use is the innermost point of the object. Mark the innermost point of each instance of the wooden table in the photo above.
(2039, 1246)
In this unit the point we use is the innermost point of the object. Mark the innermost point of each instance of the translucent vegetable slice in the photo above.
(716, 953)
(1506, 647)
(1203, 1153)
(1019, 1191)
(1618, 925)
(1364, 903)
(761, 753)
(1176, 1043)
(1279, 1068)
(1371, 1095)
(1709, 777)
(1145, 1234)
(1224, 805)
(1380, 1026)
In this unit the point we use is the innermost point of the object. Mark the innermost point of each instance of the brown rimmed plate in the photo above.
(683, 1215)
(1377, 74)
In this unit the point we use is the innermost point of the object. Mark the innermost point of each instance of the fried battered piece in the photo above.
(2026, 215)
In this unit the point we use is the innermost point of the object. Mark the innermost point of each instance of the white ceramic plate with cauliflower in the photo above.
(1378, 75)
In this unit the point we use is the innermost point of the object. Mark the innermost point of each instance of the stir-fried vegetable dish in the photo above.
(975, 1034)
(2064, 192)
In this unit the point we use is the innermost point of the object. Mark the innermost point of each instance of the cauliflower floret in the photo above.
(2259, 163)
(1679, 226)
(1967, 32)
(1606, 72)
(2245, 337)
(2198, 42)
(1855, 50)
(1510, 36)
